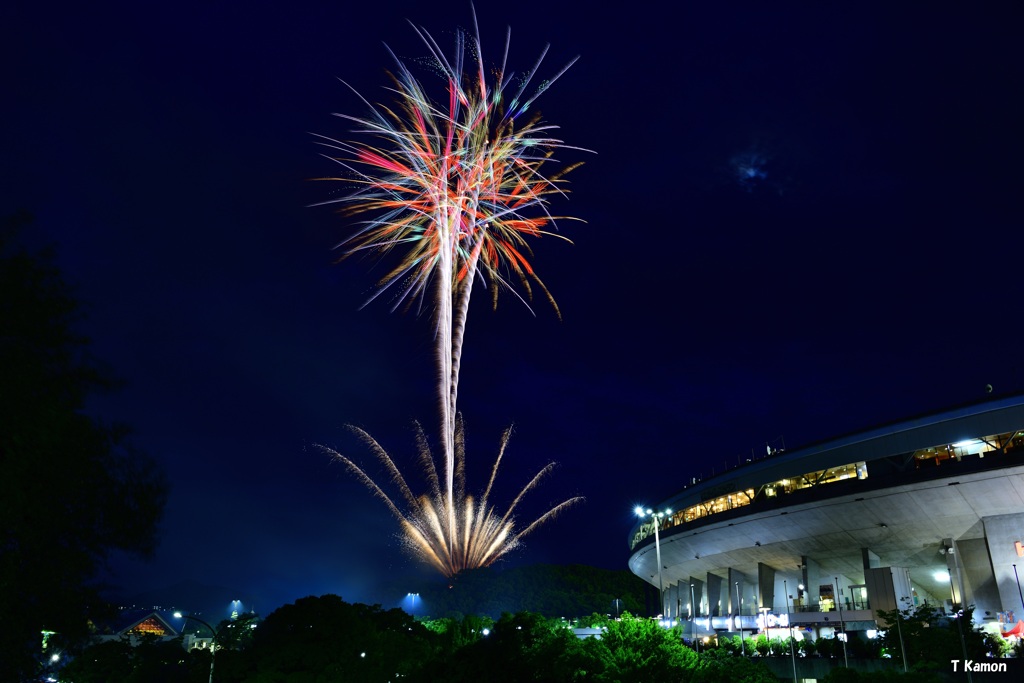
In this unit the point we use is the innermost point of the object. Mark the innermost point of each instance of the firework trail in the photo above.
(455, 187)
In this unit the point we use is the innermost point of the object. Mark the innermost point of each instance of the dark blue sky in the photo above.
(799, 222)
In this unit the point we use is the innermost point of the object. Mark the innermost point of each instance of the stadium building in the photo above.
(930, 510)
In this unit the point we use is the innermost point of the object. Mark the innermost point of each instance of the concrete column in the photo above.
(980, 587)
(698, 596)
(672, 607)
(1005, 536)
(734, 578)
(871, 560)
(889, 588)
(717, 606)
(765, 586)
(813, 578)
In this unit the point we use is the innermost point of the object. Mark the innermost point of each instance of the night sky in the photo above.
(799, 222)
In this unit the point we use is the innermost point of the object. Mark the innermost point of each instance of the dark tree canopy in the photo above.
(150, 661)
(71, 488)
(930, 639)
(326, 638)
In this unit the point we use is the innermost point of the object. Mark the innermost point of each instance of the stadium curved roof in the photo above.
(899, 490)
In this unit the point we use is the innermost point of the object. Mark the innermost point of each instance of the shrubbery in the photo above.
(326, 638)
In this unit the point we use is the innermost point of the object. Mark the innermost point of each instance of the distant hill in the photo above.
(212, 603)
(552, 590)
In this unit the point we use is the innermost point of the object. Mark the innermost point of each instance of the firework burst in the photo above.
(455, 188)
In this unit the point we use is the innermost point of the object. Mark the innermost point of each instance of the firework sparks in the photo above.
(456, 188)
(482, 534)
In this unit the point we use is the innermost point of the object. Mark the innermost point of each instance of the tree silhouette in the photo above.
(326, 638)
(71, 488)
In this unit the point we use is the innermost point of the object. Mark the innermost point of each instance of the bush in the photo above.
(718, 666)
(998, 646)
(828, 647)
(929, 637)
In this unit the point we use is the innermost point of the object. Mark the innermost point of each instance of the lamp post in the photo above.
(958, 614)
(1018, 586)
(656, 517)
(789, 625)
(213, 641)
(693, 620)
(739, 622)
(899, 631)
(842, 624)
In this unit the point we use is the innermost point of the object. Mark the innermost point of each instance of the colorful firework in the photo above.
(458, 187)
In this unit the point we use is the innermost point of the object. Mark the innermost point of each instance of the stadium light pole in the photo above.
(656, 516)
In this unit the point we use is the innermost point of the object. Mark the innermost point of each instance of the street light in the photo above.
(789, 625)
(899, 630)
(1017, 577)
(656, 516)
(213, 641)
(842, 623)
(216, 633)
(693, 619)
(743, 649)
(958, 615)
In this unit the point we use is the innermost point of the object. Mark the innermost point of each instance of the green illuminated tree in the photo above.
(518, 648)
(722, 666)
(641, 650)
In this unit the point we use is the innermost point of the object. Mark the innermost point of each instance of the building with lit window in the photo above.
(136, 625)
(926, 510)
